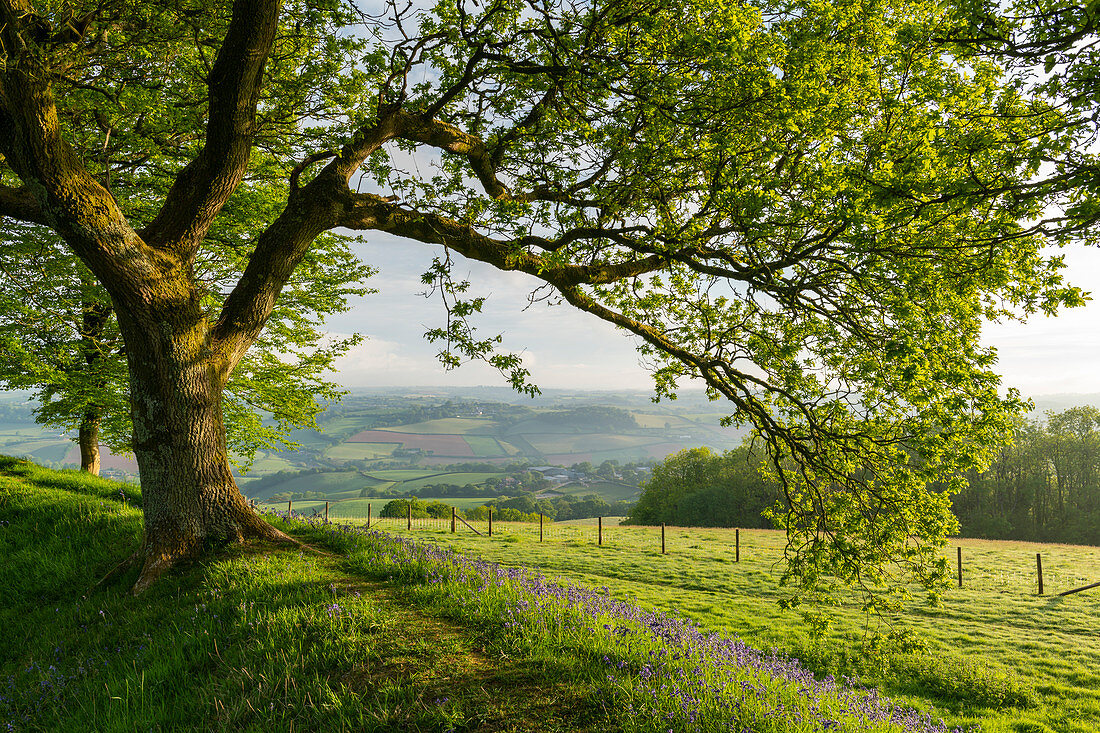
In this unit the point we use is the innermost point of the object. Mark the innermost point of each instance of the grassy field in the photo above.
(361, 451)
(996, 654)
(390, 636)
(446, 426)
(489, 447)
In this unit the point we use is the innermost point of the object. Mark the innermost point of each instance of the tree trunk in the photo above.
(89, 443)
(190, 499)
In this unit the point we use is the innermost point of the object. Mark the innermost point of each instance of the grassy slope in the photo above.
(264, 638)
(259, 639)
(997, 655)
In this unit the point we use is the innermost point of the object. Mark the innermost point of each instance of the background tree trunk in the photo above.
(89, 443)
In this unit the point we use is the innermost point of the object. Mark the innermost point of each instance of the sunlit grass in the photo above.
(996, 653)
(384, 635)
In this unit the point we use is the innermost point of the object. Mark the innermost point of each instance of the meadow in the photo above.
(361, 631)
(996, 654)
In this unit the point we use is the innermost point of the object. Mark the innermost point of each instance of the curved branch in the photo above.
(367, 211)
(236, 79)
(449, 138)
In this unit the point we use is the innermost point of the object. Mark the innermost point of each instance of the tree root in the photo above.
(158, 560)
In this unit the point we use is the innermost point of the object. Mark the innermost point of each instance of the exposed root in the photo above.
(158, 559)
(156, 564)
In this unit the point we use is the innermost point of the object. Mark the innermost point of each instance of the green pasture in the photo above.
(361, 451)
(659, 420)
(585, 443)
(356, 508)
(996, 654)
(458, 479)
(336, 485)
(404, 474)
(446, 426)
(488, 447)
(271, 462)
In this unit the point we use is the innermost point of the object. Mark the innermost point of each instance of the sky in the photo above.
(566, 349)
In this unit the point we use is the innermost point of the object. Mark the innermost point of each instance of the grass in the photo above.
(388, 635)
(996, 655)
(588, 443)
(487, 446)
(257, 639)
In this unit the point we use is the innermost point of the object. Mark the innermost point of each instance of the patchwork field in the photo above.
(447, 426)
(996, 654)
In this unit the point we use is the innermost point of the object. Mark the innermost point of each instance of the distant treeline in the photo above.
(522, 508)
(1045, 487)
(699, 488)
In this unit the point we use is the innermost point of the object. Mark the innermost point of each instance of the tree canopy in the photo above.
(808, 207)
(699, 488)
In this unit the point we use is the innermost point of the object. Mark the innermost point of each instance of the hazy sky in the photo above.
(564, 348)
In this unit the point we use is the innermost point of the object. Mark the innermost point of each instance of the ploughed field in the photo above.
(996, 654)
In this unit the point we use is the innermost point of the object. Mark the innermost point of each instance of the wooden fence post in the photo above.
(1039, 567)
(326, 512)
(452, 520)
(599, 536)
(662, 538)
(540, 526)
(490, 521)
(737, 545)
(409, 515)
(289, 508)
(960, 553)
(368, 515)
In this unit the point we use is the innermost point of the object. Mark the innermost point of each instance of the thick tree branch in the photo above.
(236, 79)
(453, 140)
(69, 198)
(18, 203)
(366, 211)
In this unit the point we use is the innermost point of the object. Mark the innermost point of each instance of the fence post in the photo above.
(368, 515)
(452, 520)
(490, 521)
(662, 538)
(326, 512)
(960, 566)
(409, 515)
(540, 526)
(289, 508)
(737, 545)
(1039, 567)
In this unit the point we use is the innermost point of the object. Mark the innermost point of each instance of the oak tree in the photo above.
(807, 207)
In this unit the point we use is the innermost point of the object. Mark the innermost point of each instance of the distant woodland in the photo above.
(1044, 487)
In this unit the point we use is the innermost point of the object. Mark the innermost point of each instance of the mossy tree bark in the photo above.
(178, 365)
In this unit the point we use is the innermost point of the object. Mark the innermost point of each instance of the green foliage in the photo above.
(1044, 486)
(401, 507)
(698, 488)
(78, 370)
(810, 208)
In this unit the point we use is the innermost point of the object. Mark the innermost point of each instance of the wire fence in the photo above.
(986, 565)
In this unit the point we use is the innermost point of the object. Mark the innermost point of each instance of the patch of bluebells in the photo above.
(662, 671)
